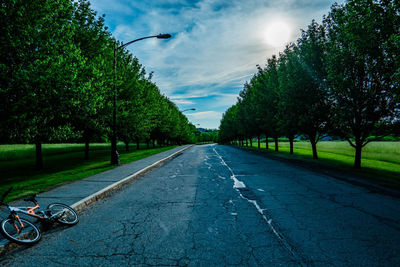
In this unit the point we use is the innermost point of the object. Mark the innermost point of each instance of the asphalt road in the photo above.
(217, 205)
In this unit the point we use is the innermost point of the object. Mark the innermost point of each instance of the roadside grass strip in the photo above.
(63, 163)
(380, 160)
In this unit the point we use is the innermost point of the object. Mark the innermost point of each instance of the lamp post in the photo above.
(114, 152)
(188, 109)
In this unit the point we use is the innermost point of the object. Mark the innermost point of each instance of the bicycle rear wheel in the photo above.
(28, 233)
(62, 213)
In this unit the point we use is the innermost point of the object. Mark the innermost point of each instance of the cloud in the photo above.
(224, 100)
(215, 43)
(204, 101)
(111, 6)
(205, 115)
(182, 102)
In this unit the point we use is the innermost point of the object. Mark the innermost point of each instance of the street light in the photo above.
(114, 152)
(188, 109)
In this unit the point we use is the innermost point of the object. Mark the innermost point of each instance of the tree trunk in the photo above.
(137, 144)
(357, 158)
(251, 142)
(86, 148)
(276, 144)
(148, 143)
(291, 144)
(127, 146)
(266, 142)
(154, 143)
(259, 144)
(39, 156)
(247, 142)
(314, 148)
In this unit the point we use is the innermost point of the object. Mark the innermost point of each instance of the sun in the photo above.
(278, 33)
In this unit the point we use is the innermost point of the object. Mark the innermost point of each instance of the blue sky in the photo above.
(215, 44)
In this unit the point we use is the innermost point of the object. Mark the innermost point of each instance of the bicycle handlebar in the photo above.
(5, 194)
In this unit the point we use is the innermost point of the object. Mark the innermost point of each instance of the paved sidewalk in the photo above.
(74, 192)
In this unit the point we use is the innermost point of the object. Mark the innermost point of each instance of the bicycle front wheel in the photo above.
(21, 232)
(62, 213)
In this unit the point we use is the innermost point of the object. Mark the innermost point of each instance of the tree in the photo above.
(304, 93)
(96, 48)
(250, 123)
(268, 98)
(288, 104)
(360, 77)
(41, 64)
(258, 98)
(131, 118)
(228, 128)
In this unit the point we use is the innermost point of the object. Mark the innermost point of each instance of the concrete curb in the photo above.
(9, 246)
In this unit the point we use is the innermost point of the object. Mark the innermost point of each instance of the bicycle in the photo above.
(22, 231)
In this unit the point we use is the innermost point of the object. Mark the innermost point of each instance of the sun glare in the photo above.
(277, 33)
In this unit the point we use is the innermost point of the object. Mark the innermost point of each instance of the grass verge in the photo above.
(380, 160)
(63, 163)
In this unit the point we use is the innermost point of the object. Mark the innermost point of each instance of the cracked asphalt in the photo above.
(220, 206)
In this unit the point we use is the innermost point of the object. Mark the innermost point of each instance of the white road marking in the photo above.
(261, 212)
(236, 183)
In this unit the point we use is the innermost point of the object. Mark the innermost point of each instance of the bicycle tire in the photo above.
(29, 235)
(67, 215)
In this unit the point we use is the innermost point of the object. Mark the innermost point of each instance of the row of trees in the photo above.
(207, 136)
(339, 78)
(56, 81)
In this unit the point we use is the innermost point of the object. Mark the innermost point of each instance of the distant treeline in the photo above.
(207, 136)
(340, 78)
(56, 81)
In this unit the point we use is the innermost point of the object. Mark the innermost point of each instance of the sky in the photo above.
(215, 45)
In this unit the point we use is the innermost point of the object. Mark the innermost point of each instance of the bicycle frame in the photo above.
(26, 210)
(30, 211)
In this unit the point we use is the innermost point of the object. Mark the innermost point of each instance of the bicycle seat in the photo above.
(31, 198)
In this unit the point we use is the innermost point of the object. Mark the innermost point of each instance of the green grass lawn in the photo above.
(62, 163)
(380, 160)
